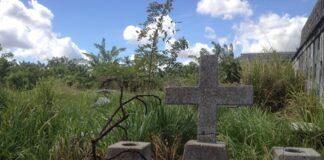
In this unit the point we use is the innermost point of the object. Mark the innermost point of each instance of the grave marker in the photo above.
(207, 96)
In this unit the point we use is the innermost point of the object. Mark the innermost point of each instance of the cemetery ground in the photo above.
(54, 121)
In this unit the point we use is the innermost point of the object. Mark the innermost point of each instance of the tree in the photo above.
(229, 67)
(149, 60)
(25, 75)
(104, 56)
(71, 71)
(5, 64)
(108, 67)
(203, 51)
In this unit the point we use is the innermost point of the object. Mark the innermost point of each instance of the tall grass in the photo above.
(273, 80)
(54, 121)
(251, 132)
(35, 124)
(307, 111)
(3, 98)
(28, 126)
(3, 102)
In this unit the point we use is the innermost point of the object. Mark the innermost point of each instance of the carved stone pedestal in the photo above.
(126, 150)
(293, 153)
(205, 151)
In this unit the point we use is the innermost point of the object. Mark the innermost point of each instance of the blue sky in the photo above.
(66, 28)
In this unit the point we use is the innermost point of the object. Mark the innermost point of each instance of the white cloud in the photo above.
(281, 33)
(168, 44)
(211, 34)
(27, 32)
(194, 50)
(132, 57)
(226, 8)
(186, 61)
(131, 32)
(222, 40)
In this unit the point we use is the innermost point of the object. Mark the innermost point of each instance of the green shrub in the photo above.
(24, 75)
(272, 81)
(229, 69)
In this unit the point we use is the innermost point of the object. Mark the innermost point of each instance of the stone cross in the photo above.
(207, 96)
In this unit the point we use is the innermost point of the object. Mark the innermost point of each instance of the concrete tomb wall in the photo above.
(309, 58)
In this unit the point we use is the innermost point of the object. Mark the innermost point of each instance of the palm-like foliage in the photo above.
(104, 56)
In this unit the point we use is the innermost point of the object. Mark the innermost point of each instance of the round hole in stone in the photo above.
(292, 150)
(129, 144)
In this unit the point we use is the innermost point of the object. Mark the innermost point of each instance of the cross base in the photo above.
(207, 138)
(128, 150)
(195, 150)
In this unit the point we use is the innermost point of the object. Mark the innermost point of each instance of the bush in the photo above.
(273, 80)
(24, 75)
(230, 69)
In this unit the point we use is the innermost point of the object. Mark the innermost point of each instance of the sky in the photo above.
(36, 30)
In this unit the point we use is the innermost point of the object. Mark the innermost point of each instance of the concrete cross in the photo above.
(207, 96)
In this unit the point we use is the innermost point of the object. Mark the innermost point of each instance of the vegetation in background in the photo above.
(107, 65)
(24, 75)
(70, 71)
(55, 121)
(149, 59)
(5, 64)
(229, 67)
(273, 80)
(47, 109)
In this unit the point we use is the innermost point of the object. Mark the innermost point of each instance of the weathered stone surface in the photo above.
(309, 57)
(293, 153)
(102, 101)
(205, 151)
(208, 71)
(207, 96)
(315, 17)
(182, 95)
(304, 127)
(106, 91)
(221, 95)
(126, 150)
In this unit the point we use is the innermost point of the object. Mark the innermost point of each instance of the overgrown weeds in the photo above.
(58, 122)
(163, 150)
(273, 80)
(307, 114)
(251, 132)
(50, 123)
